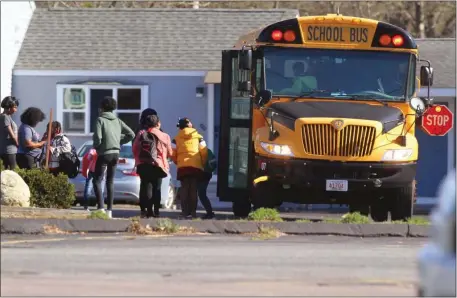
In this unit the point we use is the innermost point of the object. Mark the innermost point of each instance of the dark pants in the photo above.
(150, 185)
(202, 188)
(25, 161)
(9, 161)
(106, 162)
(188, 195)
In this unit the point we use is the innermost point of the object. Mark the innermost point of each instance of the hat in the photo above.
(183, 122)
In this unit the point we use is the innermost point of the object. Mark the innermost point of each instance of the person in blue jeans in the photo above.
(202, 186)
(89, 187)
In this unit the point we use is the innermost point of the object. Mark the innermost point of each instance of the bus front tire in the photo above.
(379, 210)
(402, 202)
(241, 208)
(264, 195)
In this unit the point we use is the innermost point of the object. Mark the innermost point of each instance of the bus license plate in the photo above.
(336, 185)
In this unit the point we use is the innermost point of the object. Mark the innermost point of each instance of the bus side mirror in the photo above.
(245, 59)
(426, 76)
(263, 97)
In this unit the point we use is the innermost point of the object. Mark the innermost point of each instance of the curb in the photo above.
(36, 226)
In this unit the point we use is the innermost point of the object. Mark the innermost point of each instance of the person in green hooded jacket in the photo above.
(110, 133)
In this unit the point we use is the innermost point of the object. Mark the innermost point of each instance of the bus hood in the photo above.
(390, 117)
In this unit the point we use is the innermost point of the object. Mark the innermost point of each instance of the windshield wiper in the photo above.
(364, 96)
(309, 94)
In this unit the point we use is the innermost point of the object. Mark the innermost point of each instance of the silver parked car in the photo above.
(437, 257)
(126, 182)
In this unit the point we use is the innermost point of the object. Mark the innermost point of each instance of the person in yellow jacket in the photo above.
(190, 156)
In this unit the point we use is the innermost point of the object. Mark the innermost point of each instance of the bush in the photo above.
(265, 214)
(47, 190)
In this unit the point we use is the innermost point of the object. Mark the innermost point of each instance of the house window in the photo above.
(78, 105)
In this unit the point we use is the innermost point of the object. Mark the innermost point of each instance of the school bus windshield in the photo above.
(341, 74)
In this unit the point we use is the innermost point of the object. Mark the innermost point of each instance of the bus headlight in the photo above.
(277, 149)
(397, 154)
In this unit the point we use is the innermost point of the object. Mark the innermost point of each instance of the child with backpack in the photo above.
(151, 150)
(88, 171)
(208, 170)
(61, 152)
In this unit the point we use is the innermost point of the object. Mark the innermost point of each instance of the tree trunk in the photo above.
(420, 19)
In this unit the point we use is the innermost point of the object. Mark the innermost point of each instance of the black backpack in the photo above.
(148, 148)
(69, 163)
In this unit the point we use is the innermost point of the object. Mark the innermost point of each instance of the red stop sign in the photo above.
(438, 120)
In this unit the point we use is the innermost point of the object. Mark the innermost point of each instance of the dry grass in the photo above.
(164, 227)
(53, 229)
(42, 215)
(267, 233)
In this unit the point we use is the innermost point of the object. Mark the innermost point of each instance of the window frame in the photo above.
(87, 88)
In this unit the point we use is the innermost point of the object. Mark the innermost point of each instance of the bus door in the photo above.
(235, 137)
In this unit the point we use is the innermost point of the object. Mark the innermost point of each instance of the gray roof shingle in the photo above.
(137, 39)
(441, 52)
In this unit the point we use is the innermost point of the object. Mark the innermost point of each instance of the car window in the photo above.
(84, 150)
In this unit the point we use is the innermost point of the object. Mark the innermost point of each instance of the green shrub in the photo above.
(355, 218)
(47, 190)
(265, 214)
(98, 214)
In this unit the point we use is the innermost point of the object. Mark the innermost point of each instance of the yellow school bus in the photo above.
(322, 109)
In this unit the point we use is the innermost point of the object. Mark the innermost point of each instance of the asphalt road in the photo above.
(208, 265)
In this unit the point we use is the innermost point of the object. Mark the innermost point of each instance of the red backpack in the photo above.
(86, 163)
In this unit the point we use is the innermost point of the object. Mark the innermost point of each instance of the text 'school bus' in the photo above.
(322, 110)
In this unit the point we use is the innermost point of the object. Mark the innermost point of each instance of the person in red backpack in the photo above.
(88, 171)
(151, 150)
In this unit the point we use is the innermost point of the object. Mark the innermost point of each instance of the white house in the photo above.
(15, 17)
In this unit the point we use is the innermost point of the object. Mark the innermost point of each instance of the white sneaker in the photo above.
(109, 213)
(101, 210)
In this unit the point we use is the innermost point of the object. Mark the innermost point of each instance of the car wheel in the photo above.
(170, 201)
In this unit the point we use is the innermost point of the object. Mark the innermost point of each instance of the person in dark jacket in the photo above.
(110, 133)
(202, 187)
(30, 144)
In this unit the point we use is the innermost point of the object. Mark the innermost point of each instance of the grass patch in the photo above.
(414, 221)
(164, 226)
(303, 220)
(265, 214)
(355, 218)
(97, 214)
(167, 226)
(332, 220)
(267, 233)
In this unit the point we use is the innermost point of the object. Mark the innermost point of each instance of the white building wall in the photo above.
(15, 18)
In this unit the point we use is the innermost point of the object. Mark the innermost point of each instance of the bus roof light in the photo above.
(397, 40)
(289, 36)
(276, 35)
(385, 40)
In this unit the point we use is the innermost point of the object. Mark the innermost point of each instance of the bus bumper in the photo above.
(313, 174)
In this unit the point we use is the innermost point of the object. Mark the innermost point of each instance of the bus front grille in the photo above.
(351, 141)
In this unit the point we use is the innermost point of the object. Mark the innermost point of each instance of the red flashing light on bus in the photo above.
(385, 40)
(289, 36)
(276, 35)
(397, 40)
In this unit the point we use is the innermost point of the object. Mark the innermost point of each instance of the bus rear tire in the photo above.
(241, 208)
(402, 202)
